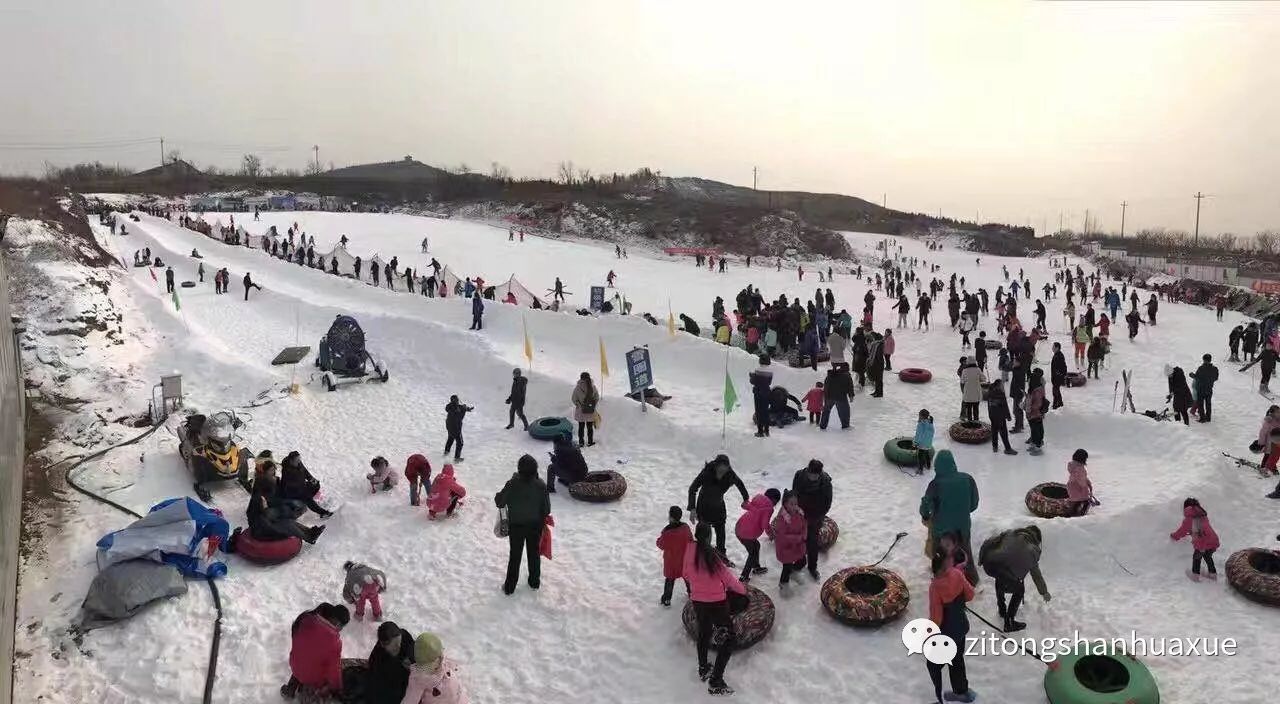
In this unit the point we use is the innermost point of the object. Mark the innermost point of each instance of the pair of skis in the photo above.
(1126, 401)
(1245, 462)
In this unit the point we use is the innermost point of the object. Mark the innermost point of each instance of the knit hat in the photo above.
(427, 648)
(527, 466)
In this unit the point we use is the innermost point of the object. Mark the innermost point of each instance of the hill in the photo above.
(406, 169)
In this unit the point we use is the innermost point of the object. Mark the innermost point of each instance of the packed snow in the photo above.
(595, 630)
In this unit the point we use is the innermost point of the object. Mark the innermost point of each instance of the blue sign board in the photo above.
(638, 369)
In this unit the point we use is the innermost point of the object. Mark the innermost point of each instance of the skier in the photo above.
(454, 413)
(904, 309)
(813, 491)
(610, 277)
(1250, 341)
(1008, 557)
(947, 502)
(1205, 377)
(248, 284)
(515, 399)
(706, 497)
(558, 292)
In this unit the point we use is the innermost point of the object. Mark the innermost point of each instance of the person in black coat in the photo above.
(998, 412)
(1058, 373)
(1017, 390)
(454, 412)
(268, 518)
(706, 495)
(515, 400)
(528, 505)
(248, 284)
(168, 280)
(837, 391)
(297, 484)
(761, 381)
(1268, 366)
(389, 662)
(1179, 395)
(1206, 376)
(812, 487)
(567, 463)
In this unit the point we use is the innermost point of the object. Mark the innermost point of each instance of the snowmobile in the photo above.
(343, 358)
(208, 446)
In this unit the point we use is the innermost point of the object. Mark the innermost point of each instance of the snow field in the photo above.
(595, 629)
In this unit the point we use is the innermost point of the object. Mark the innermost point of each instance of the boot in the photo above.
(313, 534)
(1012, 626)
(704, 671)
(719, 688)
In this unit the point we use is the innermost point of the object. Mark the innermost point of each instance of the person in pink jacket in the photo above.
(751, 525)
(1079, 488)
(433, 678)
(445, 493)
(710, 581)
(887, 347)
(1270, 422)
(813, 402)
(1195, 522)
(789, 531)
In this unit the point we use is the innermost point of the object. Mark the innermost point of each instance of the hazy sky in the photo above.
(1015, 111)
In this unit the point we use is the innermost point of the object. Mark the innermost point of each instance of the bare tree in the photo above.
(566, 173)
(498, 172)
(251, 165)
(584, 175)
(1267, 241)
(172, 155)
(272, 171)
(462, 169)
(1227, 241)
(313, 168)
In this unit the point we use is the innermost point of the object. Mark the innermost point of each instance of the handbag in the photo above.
(501, 527)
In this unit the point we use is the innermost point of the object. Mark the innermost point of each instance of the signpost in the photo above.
(597, 297)
(640, 373)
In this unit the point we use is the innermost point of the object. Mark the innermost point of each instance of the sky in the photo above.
(1021, 112)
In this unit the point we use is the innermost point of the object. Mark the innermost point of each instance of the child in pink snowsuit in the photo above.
(363, 586)
(445, 493)
(813, 402)
(1195, 522)
(789, 531)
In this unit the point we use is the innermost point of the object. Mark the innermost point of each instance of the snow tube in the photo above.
(970, 432)
(865, 596)
(1049, 500)
(1076, 379)
(901, 451)
(550, 428)
(828, 533)
(912, 375)
(795, 359)
(1255, 573)
(1085, 678)
(188, 284)
(750, 625)
(265, 552)
(599, 487)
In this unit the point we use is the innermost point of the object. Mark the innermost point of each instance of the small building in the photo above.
(283, 202)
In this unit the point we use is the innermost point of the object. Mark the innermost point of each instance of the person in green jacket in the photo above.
(528, 504)
(947, 502)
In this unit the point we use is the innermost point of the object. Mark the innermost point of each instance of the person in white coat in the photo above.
(971, 391)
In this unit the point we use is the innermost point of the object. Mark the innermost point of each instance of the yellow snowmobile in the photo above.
(208, 445)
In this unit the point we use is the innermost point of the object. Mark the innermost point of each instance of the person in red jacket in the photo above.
(446, 493)
(813, 402)
(418, 471)
(315, 658)
(672, 541)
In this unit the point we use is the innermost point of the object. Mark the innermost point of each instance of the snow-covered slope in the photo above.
(595, 631)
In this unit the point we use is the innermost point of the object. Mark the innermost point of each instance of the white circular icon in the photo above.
(939, 649)
(915, 633)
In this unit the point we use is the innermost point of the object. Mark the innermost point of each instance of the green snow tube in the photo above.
(901, 451)
(550, 428)
(1085, 678)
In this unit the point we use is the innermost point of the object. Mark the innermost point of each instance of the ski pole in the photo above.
(1114, 392)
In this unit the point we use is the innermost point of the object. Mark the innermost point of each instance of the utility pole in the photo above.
(755, 178)
(884, 200)
(162, 151)
(316, 149)
(1123, 206)
(1059, 221)
(1199, 197)
(1086, 222)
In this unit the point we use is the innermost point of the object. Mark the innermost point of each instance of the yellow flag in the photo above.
(528, 346)
(604, 363)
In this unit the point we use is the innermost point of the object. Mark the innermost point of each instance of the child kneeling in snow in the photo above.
(445, 493)
(433, 678)
(364, 585)
(1195, 522)
(382, 477)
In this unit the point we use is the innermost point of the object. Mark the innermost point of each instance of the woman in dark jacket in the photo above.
(389, 661)
(528, 505)
(706, 495)
(1179, 395)
(812, 487)
(296, 484)
(998, 412)
(269, 518)
(858, 356)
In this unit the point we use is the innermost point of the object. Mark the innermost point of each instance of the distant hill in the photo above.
(176, 170)
(406, 169)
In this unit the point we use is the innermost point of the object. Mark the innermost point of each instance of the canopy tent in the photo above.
(346, 262)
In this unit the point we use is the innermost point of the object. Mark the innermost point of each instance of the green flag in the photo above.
(176, 304)
(730, 394)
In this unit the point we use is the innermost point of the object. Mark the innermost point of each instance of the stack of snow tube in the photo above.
(970, 432)
(1255, 573)
(550, 428)
(1082, 677)
(865, 596)
(1076, 379)
(599, 487)
(901, 451)
(264, 552)
(828, 533)
(1049, 500)
(750, 626)
(913, 375)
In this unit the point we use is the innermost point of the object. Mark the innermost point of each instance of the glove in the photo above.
(1047, 596)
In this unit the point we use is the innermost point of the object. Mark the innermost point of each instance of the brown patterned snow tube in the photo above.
(1076, 379)
(1049, 500)
(865, 596)
(913, 375)
(750, 625)
(599, 487)
(828, 532)
(1255, 573)
(971, 432)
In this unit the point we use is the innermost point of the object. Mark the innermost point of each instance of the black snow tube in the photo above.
(550, 428)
